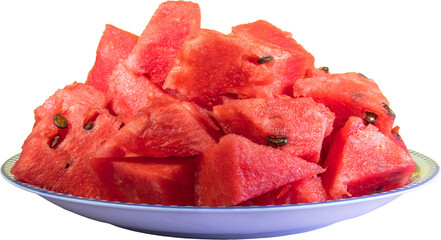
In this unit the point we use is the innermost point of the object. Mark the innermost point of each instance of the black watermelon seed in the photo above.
(370, 117)
(398, 136)
(276, 141)
(389, 110)
(324, 69)
(361, 74)
(265, 59)
(67, 165)
(88, 126)
(60, 121)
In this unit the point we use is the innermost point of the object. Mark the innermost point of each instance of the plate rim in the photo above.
(434, 170)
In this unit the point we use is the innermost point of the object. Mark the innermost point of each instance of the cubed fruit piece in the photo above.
(130, 91)
(70, 126)
(212, 65)
(363, 161)
(264, 31)
(139, 77)
(168, 181)
(294, 125)
(157, 47)
(307, 190)
(236, 170)
(115, 45)
(349, 94)
(164, 127)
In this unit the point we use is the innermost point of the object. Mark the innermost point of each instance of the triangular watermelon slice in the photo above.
(363, 161)
(349, 94)
(115, 45)
(236, 169)
(301, 122)
(164, 127)
(262, 30)
(212, 66)
(70, 126)
(132, 82)
(157, 47)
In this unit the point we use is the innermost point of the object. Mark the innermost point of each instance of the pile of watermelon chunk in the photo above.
(187, 116)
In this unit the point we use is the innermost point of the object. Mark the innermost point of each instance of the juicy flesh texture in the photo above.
(168, 181)
(307, 190)
(115, 45)
(264, 31)
(211, 66)
(348, 94)
(236, 169)
(62, 167)
(363, 161)
(160, 42)
(139, 77)
(303, 122)
(130, 91)
(165, 127)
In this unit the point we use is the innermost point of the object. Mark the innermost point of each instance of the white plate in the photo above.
(228, 222)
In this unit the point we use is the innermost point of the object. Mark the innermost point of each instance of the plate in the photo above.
(228, 222)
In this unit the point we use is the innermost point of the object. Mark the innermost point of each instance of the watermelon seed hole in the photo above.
(110, 109)
(56, 139)
(88, 124)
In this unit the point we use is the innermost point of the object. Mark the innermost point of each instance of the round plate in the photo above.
(228, 222)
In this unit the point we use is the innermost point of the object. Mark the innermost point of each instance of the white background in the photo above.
(45, 45)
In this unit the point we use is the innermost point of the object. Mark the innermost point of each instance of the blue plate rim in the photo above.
(434, 172)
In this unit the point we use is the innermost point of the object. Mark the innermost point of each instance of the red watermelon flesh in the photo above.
(156, 50)
(317, 72)
(130, 91)
(348, 94)
(115, 45)
(168, 181)
(363, 161)
(396, 137)
(264, 31)
(213, 65)
(165, 127)
(301, 121)
(63, 166)
(236, 170)
(307, 190)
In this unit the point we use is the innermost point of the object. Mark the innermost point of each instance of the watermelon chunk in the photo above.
(307, 190)
(57, 158)
(236, 170)
(264, 31)
(157, 47)
(363, 161)
(115, 45)
(130, 91)
(164, 127)
(213, 65)
(301, 121)
(349, 94)
(168, 181)
(132, 83)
